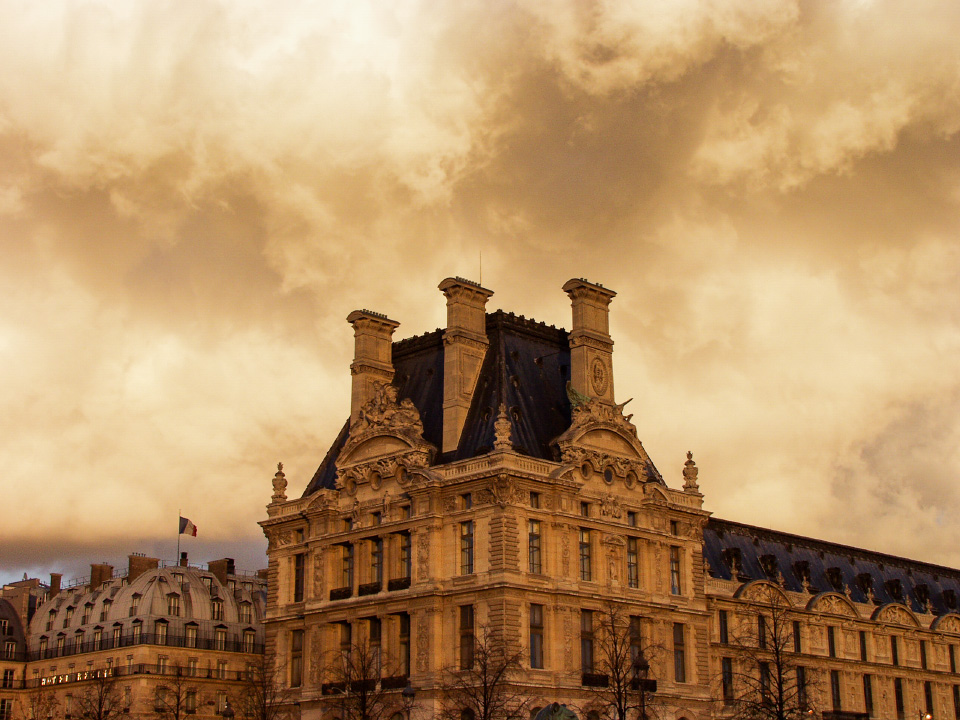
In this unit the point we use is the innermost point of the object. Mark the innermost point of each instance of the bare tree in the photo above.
(172, 697)
(262, 694)
(38, 704)
(621, 681)
(354, 683)
(99, 698)
(763, 679)
(482, 688)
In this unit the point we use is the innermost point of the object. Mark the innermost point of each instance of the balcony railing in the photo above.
(594, 680)
(136, 669)
(398, 584)
(370, 588)
(182, 641)
(341, 593)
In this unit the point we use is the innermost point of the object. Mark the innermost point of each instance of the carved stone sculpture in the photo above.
(279, 485)
(502, 428)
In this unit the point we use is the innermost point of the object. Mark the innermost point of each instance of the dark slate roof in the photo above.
(527, 368)
(828, 565)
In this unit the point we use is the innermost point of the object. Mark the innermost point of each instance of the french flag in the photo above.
(187, 527)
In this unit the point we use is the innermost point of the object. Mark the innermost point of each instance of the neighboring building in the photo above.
(13, 646)
(486, 479)
(155, 634)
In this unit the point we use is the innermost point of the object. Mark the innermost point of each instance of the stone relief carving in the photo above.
(565, 551)
(423, 556)
(658, 563)
(610, 506)
(279, 538)
(690, 472)
(316, 657)
(318, 579)
(450, 504)
(613, 565)
(897, 614)
(423, 643)
(568, 639)
(833, 604)
(501, 491)
(383, 412)
(279, 485)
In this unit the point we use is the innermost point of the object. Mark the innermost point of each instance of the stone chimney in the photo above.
(221, 568)
(99, 573)
(591, 347)
(55, 579)
(183, 559)
(139, 564)
(372, 356)
(464, 347)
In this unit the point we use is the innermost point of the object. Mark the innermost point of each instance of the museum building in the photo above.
(488, 484)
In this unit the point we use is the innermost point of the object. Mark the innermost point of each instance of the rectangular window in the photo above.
(633, 568)
(137, 633)
(928, 696)
(802, 687)
(466, 501)
(536, 636)
(246, 612)
(868, 695)
(636, 638)
(831, 641)
(586, 641)
(249, 638)
(162, 664)
(466, 637)
(97, 639)
(726, 677)
(376, 518)
(105, 609)
(404, 512)
(6, 709)
(161, 628)
(191, 701)
(173, 604)
(535, 500)
(8, 678)
(835, 689)
(679, 654)
(216, 609)
(296, 658)
(796, 637)
(724, 627)
(404, 643)
(585, 570)
(405, 556)
(466, 547)
(221, 702)
(533, 546)
(952, 652)
(956, 702)
(346, 566)
(894, 650)
(298, 573)
(761, 631)
(863, 646)
(219, 639)
(191, 667)
(376, 560)
(923, 654)
(585, 509)
(190, 636)
(898, 694)
(674, 527)
(765, 682)
(86, 614)
(632, 518)
(222, 669)
(675, 587)
(117, 636)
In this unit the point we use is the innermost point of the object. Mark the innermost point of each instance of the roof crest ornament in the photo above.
(279, 485)
(502, 429)
(690, 472)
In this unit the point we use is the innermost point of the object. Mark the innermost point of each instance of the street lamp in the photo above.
(228, 712)
(408, 695)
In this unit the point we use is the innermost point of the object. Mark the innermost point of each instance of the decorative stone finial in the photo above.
(279, 485)
(690, 471)
(502, 428)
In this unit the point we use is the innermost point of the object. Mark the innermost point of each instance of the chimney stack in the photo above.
(221, 569)
(591, 347)
(464, 347)
(183, 559)
(139, 564)
(55, 579)
(99, 573)
(372, 357)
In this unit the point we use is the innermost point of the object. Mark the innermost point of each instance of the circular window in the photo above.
(608, 476)
(586, 470)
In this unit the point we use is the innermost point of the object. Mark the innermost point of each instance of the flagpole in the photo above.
(179, 513)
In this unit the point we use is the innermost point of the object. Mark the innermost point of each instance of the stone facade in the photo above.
(487, 481)
(154, 634)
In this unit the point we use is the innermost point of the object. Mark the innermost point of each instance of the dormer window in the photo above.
(178, 577)
(104, 609)
(134, 604)
(219, 638)
(190, 635)
(950, 599)
(894, 589)
(246, 612)
(160, 627)
(87, 609)
(216, 609)
(68, 617)
(835, 578)
(208, 582)
(50, 619)
(731, 558)
(137, 632)
(770, 566)
(173, 604)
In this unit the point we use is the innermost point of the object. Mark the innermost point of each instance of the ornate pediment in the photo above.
(947, 623)
(833, 603)
(763, 591)
(602, 440)
(385, 440)
(896, 614)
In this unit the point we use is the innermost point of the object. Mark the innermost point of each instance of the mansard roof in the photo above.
(734, 551)
(526, 367)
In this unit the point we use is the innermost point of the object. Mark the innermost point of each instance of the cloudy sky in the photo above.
(194, 195)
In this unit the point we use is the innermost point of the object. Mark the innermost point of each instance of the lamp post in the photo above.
(408, 695)
(228, 712)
